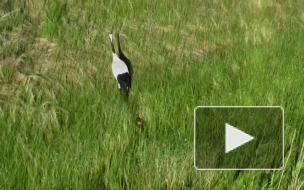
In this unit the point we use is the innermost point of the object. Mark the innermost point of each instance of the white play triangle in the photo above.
(235, 138)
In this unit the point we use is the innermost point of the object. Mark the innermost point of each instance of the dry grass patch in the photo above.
(163, 29)
(261, 4)
(38, 63)
(192, 50)
(259, 35)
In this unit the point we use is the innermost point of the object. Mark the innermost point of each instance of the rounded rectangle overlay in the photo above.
(263, 125)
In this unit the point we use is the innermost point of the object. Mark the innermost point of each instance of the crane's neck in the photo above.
(115, 57)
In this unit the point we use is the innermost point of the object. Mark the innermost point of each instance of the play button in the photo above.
(239, 138)
(235, 138)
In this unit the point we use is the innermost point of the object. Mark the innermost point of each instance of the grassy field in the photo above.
(64, 125)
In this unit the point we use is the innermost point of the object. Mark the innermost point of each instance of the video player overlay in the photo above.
(239, 138)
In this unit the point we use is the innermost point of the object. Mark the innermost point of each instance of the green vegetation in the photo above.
(63, 124)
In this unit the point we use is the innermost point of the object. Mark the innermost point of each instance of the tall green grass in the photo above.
(70, 129)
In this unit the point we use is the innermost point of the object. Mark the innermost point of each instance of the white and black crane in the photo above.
(120, 69)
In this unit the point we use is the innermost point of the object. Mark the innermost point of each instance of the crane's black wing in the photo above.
(124, 58)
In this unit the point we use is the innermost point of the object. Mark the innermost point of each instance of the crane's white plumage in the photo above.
(120, 69)
(118, 66)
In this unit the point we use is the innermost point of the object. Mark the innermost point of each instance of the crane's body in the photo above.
(120, 70)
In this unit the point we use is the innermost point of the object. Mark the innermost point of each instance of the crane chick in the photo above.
(139, 120)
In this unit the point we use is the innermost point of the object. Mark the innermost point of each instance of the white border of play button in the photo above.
(233, 145)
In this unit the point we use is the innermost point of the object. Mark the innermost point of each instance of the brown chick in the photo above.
(139, 120)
